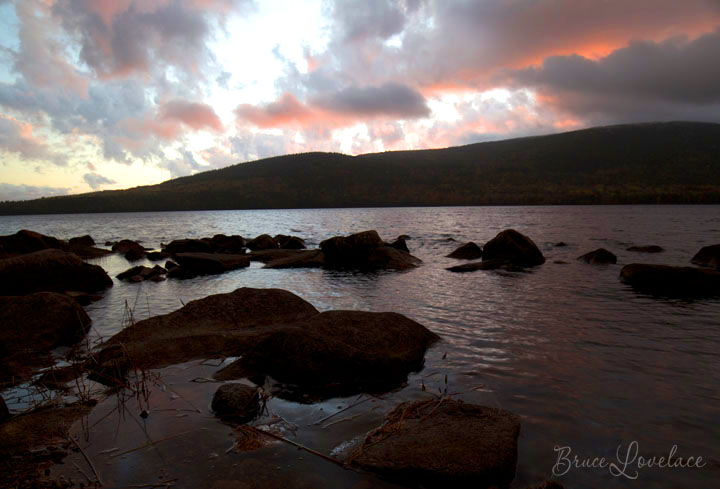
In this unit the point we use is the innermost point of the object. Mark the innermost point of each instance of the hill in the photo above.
(674, 162)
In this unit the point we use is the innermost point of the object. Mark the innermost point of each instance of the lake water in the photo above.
(587, 362)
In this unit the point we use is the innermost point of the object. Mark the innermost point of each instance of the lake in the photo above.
(587, 362)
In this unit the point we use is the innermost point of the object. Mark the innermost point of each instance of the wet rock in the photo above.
(4, 412)
(262, 242)
(338, 353)
(157, 255)
(189, 246)
(303, 259)
(215, 326)
(58, 378)
(665, 279)
(82, 298)
(142, 272)
(468, 251)
(292, 243)
(708, 256)
(514, 246)
(209, 263)
(82, 241)
(443, 444)
(560, 244)
(25, 241)
(601, 256)
(266, 256)
(87, 252)
(50, 270)
(125, 246)
(646, 249)
(238, 402)
(481, 265)
(400, 244)
(365, 250)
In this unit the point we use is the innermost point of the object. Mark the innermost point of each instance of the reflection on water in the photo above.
(586, 361)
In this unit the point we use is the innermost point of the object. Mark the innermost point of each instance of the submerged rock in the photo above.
(262, 242)
(601, 256)
(338, 352)
(140, 273)
(646, 249)
(188, 246)
(481, 265)
(367, 251)
(708, 256)
(266, 256)
(215, 326)
(238, 402)
(665, 279)
(468, 251)
(50, 270)
(439, 444)
(515, 247)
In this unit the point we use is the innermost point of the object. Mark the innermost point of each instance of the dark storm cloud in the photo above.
(391, 99)
(675, 78)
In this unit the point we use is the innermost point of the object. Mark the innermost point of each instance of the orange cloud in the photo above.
(176, 117)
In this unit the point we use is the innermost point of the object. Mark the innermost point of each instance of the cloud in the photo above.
(357, 21)
(180, 167)
(340, 108)
(676, 78)
(9, 191)
(17, 137)
(95, 180)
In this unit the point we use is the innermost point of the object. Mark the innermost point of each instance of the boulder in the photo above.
(443, 443)
(601, 256)
(481, 265)
(365, 250)
(400, 244)
(144, 273)
(514, 246)
(646, 249)
(302, 259)
(262, 242)
(125, 246)
(50, 270)
(209, 263)
(266, 256)
(189, 246)
(234, 244)
(560, 244)
(238, 402)
(41, 321)
(25, 241)
(157, 255)
(215, 326)
(87, 252)
(468, 251)
(665, 279)
(708, 256)
(338, 353)
(291, 243)
(4, 412)
(82, 241)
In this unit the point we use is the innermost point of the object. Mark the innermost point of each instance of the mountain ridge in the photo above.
(647, 163)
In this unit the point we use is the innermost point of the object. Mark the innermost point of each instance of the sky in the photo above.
(109, 94)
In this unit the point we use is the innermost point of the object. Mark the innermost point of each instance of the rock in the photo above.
(157, 255)
(135, 254)
(514, 246)
(209, 263)
(26, 325)
(215, 326)
(87, 252)
(400, 244)
(266, 256)
(303, 259)
(110, 243)
(4, 412)
(238, 402)
(665, 279)
(646, 249)
(169, 265)
(560, 244)
(50, 270)
(404, 237)
(262, 242)
(443, 444)
(468, 251)
(708, 256)
(548, 485)
(25, 241)
(82, 298)
(338, 353)
(82, 241)
(601, 256)
(58, 377)
(291, 243)
(366, 251)
(189, 246)
(481, 265)
(125, 246)
(144, 273)
(234, 245)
